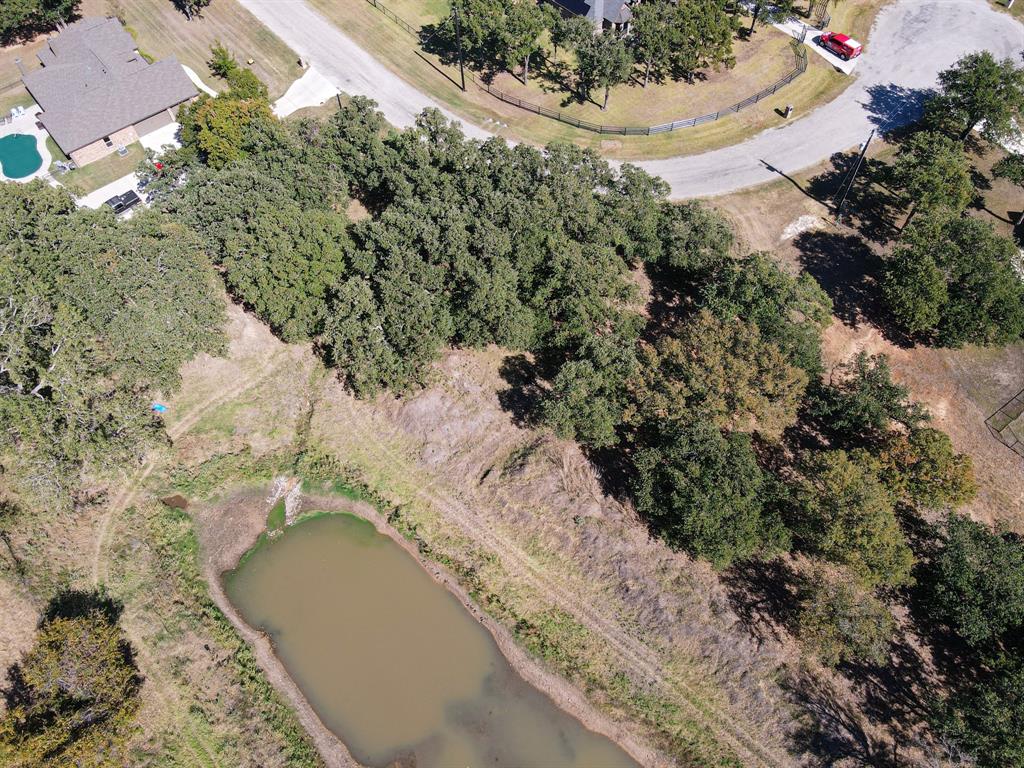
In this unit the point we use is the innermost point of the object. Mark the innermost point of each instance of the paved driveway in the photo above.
(345, 64)
(911, 42)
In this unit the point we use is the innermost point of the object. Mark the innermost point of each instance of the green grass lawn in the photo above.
(55, 152)
(110, 168)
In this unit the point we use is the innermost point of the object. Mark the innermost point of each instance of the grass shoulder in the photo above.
(821, 83)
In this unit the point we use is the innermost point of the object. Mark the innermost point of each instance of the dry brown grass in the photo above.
(393, 47)
(18, 617)
(161, 30)
(960, 387)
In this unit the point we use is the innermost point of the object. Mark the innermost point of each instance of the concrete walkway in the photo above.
(911, 42)
(197, 81)
(310, 90)
(798, 30)
(25, 123)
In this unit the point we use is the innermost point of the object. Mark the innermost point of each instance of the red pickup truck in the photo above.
(843, 46)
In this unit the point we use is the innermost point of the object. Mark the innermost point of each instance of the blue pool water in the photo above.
(18, 155)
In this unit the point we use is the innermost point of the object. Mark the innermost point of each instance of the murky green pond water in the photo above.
(393, 663)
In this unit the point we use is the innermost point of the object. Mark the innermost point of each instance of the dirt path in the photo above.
(644, 662)
(131, 489)
(163, 689)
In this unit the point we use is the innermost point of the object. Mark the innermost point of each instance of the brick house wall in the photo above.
(90, 153)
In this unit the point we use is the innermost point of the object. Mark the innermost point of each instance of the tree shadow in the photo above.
(763, 593)
(849, 271)
(834, 731)
(522, 399)
(75, 604)
(845, 267)
(32, 29)
(524, 393)
(868, 203)
(893, 106)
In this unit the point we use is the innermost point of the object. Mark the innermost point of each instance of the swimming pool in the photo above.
(19, 156)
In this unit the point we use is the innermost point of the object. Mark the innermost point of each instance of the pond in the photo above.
(393, 663)
(19, 156)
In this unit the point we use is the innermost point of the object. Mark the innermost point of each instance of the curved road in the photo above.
(910, 43)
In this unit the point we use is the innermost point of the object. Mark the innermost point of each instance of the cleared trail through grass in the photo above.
(644, 662)
(166, 692)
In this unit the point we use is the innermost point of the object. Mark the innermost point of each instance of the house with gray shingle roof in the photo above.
(98, 93)
(603, 14)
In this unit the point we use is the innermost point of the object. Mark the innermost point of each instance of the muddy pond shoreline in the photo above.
(231, 527)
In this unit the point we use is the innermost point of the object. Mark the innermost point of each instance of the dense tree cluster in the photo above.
(667, 40)
(952, 279)
(72, 698)
(96, 316)
(21, 19)
(973, 588)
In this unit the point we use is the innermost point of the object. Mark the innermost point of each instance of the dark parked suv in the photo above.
(121, 203)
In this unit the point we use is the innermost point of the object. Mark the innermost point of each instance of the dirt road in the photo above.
(911, 42)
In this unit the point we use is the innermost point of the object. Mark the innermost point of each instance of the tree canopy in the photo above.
(976, 582)
(704, 492)
(931, 172)
(952, 277)
(979, 88)
(97, 316)
(845, 515)
(72, 697)
(22, 19)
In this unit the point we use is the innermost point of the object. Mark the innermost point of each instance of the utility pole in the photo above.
(853, 176)
(458, 44)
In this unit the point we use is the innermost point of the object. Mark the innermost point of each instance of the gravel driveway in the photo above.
(910, 43)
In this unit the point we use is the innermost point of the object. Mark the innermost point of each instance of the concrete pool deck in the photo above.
(26, 124)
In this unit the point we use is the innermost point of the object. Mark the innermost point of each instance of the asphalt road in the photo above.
(911, 42)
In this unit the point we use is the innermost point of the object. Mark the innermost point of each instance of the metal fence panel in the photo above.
(801, 66)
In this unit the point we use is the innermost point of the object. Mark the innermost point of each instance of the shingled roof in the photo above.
(612, 11)
(94, 82)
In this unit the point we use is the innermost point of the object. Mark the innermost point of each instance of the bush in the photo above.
(839, 622)
(975, 583)
(73, 696)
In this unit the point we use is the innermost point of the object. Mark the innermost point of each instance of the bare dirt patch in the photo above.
(961, 388)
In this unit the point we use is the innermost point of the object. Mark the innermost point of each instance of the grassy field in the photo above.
(102, 172)
(766, 58)
(161, 30)
(821, 83)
